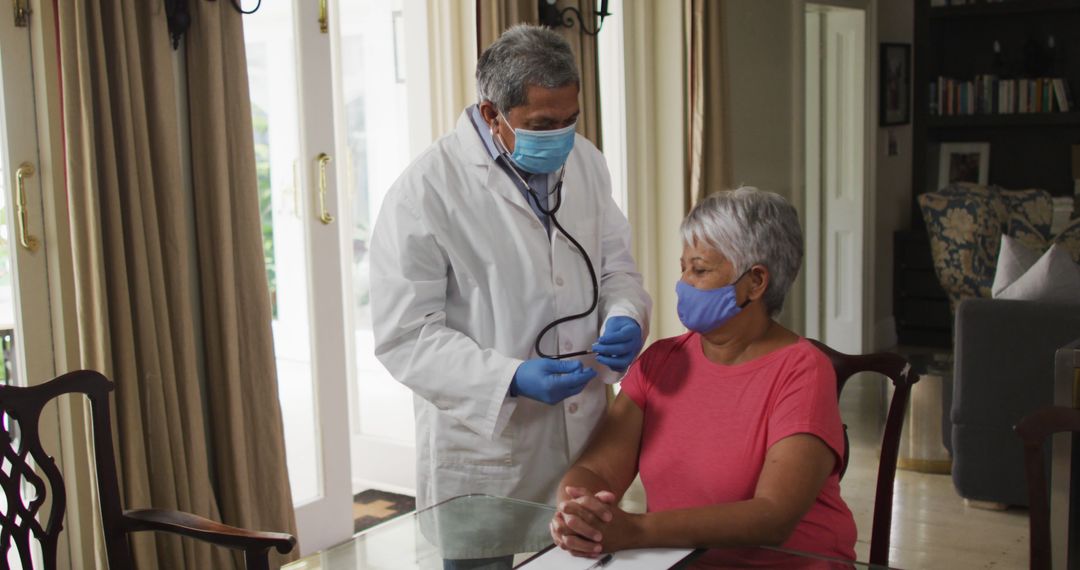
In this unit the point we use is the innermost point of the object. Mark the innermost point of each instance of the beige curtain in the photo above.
(451, 28)
(707, 154)
(494, 16)
(137, 287)
(584, 47)
(132, 272)
(245, 416)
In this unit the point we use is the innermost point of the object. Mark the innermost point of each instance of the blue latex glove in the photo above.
(620, 344)
(550, 381)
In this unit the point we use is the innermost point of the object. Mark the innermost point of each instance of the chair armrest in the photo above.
(200, 528)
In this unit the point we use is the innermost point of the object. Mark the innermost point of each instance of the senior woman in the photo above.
(734, 425)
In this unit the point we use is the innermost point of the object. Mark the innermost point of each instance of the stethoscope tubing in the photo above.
(557, 191)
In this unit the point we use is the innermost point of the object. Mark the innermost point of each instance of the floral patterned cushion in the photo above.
(1024, 232)
(1034, 205)
(1068, 238)
(965, 233)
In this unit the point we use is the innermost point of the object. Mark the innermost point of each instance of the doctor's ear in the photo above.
(489, 113)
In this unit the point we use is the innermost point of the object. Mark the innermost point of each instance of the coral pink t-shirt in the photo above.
(708, 426)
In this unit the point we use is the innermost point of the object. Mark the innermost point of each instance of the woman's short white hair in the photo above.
(749, 227)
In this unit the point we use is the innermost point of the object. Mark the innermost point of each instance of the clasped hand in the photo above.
(589, 525)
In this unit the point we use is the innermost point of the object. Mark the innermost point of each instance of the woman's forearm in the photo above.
(755, 522)
(579, 476)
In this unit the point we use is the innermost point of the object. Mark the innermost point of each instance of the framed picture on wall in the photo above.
(894, 92)
(963, 162)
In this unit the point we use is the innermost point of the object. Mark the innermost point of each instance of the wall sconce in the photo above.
(179, 17)
(552, 17)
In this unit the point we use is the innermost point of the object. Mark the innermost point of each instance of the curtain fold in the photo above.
(708, 162)
(584, 47)
(129, 248)
(451, 43)
(495, 16)
(241, 370)
(140, 269)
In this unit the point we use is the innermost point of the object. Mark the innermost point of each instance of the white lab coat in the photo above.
(463, 277)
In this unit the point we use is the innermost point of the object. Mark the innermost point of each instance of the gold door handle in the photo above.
(325, 217)
(324, 20)
(25, 239)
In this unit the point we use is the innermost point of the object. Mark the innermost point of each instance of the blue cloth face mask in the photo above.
(541, 152)
(705, 310)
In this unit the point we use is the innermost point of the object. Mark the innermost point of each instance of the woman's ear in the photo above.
(759, 281)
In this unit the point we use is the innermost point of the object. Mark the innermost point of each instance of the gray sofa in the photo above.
(1003, 370)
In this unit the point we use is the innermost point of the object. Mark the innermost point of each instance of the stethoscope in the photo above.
(557, 191)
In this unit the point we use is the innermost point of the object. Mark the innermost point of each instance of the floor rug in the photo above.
(372, 507)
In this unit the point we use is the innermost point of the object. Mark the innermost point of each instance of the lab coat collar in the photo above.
(470, 143)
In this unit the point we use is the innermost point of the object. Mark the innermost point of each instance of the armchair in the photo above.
(1003, 371)
(22, 520)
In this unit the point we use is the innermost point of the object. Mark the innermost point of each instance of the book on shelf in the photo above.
(992, 95)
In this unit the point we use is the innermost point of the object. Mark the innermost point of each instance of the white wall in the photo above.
(764, 47)
(762, 43)
(895, 23)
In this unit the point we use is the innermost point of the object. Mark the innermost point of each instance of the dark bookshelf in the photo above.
(999, 9)
(1071, 119)
(1027, 150)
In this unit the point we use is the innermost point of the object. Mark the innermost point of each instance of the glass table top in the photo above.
(479, 532)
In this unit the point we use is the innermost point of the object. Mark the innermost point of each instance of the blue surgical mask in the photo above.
(705, 310)
(541, 152)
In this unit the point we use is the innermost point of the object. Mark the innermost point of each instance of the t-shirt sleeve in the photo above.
(806, 403)
(634, 384)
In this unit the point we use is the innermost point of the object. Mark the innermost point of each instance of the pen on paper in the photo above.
(601, 563)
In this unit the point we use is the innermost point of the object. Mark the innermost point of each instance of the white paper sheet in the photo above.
(641, 559)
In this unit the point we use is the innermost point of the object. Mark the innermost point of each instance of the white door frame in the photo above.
(30, 279)
(327, 520)
(812, 208)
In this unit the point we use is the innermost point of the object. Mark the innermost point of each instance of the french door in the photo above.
(330, 108)
(26, 355)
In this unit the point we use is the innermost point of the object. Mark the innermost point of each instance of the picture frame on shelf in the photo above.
(894, 90)
(963, 162)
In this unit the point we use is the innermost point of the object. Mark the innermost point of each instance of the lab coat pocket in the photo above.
(463, 448)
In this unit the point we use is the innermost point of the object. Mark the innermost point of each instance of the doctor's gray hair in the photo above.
(749, 227)
(524, 55)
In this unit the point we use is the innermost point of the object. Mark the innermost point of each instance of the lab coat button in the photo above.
(559, 281)
(573, 408)
(508, 461)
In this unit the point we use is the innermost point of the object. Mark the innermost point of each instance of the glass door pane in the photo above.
(271, 54)
(290, 81)
(371, 90)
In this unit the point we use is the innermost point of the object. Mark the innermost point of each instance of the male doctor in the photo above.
(473, 255)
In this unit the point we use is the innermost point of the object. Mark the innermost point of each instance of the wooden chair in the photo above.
(19, 523)
(1034, 429)
(897, 369)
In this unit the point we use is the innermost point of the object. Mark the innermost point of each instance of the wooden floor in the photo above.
(932, 527)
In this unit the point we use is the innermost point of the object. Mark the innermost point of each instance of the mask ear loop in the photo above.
(748, 299)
